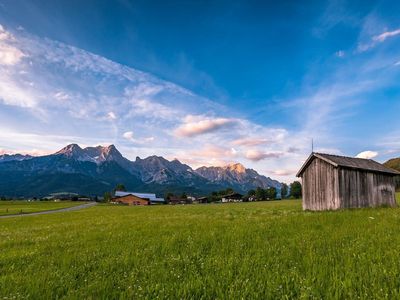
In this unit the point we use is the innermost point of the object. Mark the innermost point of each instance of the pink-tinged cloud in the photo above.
(33, 152)
(9, 55)
(256, 155)
(250, 142)
(193, 126)
(283, 172)
(383, 36)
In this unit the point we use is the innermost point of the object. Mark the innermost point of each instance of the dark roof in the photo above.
(349, 162)
(178, 199)
(233, 195)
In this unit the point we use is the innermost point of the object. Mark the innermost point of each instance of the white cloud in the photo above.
(340, 53)
(9, 55)
(145, 107)
(15, 93)
(128, 135)
(61, 96)
(367, 154)
(111, 115)
(197, 125)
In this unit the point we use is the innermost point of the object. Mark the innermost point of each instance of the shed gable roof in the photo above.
(348, 162)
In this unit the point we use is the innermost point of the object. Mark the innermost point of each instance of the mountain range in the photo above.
(95, 170)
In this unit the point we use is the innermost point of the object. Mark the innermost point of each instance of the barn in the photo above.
(332, 182)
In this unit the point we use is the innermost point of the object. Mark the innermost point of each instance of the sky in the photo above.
(206, 82)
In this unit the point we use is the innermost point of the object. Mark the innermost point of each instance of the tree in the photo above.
(214, 197)
(270, 193)
(295, 189)
(169, 195)
(251, 193)
(284, 190)
(107, 197)
(229, 191)
(260, 194)
(184, 196)
(120, 187)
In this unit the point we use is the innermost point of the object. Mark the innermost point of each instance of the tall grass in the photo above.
(259, 250)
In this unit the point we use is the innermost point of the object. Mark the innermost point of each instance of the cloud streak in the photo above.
(377, 39)
(258, 155)
(383, 36)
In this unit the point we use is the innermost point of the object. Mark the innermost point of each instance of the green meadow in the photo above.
(263, 250)
(25, 207)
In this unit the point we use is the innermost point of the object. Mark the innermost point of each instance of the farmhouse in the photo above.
(178, 200)
(131, 200)
(202, 200)
(150, 197)
(233, 197)
(334, 182)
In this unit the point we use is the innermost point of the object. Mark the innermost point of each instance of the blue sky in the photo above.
(207, 82)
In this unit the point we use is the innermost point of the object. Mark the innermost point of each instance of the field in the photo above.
(263, 250)
(25, 207)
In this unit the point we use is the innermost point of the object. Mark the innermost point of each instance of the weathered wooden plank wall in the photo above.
(360, 188)
(320, 186)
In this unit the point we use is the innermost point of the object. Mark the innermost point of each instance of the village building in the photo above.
(151, 198)
(331, 182)
(131, 200)
(179, 200)
(202, 200)
(233, 197)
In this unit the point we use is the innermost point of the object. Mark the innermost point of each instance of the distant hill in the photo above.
(95, 170)
(393, 163)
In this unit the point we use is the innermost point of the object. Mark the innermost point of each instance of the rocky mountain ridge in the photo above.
(94, 170)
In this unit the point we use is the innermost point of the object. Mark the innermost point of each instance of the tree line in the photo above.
(287, 191)
(292, 191)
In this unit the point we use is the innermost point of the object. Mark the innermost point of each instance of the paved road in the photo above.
(79, 207)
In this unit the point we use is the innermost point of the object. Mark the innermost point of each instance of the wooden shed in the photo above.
(332, 182)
